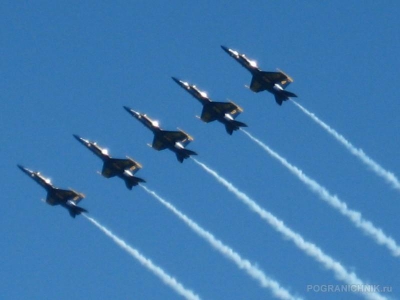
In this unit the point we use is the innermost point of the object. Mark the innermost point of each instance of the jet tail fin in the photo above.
(288, 94)
(132, 181)
(283, 95)
(182, 154)
(233, 126)
(76, 210)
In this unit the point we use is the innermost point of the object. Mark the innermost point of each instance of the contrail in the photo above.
(354, 216)
(309, 248)
(378, 169)
(228, 252)
(167, 279)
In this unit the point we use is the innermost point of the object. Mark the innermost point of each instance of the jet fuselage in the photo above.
(250, 65)
(92, 146)
(36, 176)
(149, 123)
(158, 132)
(201, 96)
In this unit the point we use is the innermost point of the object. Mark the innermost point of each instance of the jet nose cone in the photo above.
(21, 167)
(77, 137)
(25, 170)
(226, 49)
(180, 82)
(176, 80)
(132, 112)
(81, 140)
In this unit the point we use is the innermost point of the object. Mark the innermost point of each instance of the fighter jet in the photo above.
(122, 168)
(55, 196)
(224, 112)
(273, 82)
(163, 139)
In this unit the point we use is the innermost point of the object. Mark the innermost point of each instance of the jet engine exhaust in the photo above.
(226, 251)
(167, 279)
(388, 176)
(340, 272)
(354, 216)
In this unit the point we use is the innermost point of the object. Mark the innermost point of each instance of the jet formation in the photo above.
(273, 82)
(55, 196)
(176, 141)
(224, 112)
(123, 168)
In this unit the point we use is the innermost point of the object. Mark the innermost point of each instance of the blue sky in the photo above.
(69, 68)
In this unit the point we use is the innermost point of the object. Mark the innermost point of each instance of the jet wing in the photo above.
(213, 110)
(72, 195)
(135, 166)
(158, 143)
(285, 82)
(64, 196)
(177, 136)
(274, 77)
(258, 82)
(169, 138)
(116, 166)
(50, 199)
(257, 85)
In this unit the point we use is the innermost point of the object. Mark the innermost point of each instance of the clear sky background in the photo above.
(69, 67)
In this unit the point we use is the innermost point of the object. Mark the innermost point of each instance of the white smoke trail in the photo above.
(309, 248)
(167, 279)
(354, 216)
(228, 252)
(378, 169)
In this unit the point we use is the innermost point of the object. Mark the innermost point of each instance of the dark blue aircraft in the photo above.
(163, 139)
(224, 112)
(55, 196)
(273, 82)
(122, 168)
